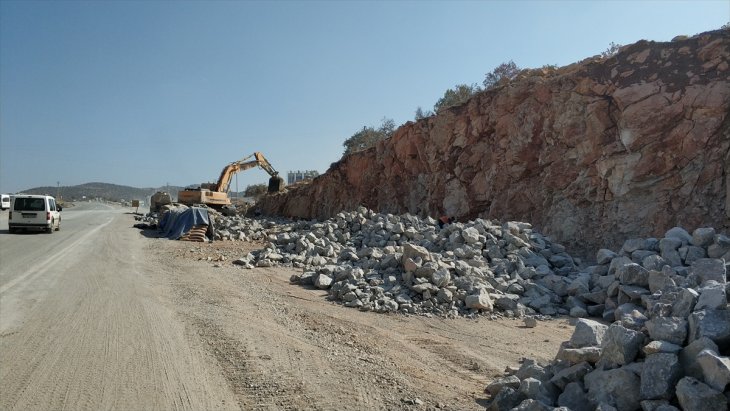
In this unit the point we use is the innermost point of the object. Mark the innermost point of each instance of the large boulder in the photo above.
(587, 333)
(670, 329)
(660, 373)
(715, 369)
(713, 324)
(694, 395)
(617, 387)
(620, 346)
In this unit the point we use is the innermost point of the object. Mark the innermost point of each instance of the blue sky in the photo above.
(145, 93)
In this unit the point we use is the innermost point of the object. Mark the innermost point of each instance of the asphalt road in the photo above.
(83, 324)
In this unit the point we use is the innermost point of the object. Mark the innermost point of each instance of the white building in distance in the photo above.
(296, 176)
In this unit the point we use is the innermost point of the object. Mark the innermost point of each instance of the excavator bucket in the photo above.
(276, 184)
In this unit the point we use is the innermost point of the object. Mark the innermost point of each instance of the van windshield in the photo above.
(29, 204)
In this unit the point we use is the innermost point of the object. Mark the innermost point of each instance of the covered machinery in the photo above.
(216, 194)
(158, 200)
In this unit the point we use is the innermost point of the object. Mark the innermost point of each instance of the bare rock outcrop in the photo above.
(592, 153)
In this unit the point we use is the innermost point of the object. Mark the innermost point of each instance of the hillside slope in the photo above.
(592, 153)
(112, 192)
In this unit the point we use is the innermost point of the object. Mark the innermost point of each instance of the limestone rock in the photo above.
(604, 256)
(703, 237)
(660, 374)
(688, 356)
(713, 296)
(620, 345)
(590, 355)
(633, 274)
(506, 399)
(496, 386)
(617, 387)
(573, 373)
(480, 301)
(715, 369)
(694, 395)
(530, 322)
(661, 347)
(323, 281)
(670, 329)
(713, 324)
(710, 269)
(680, 234)
(588, 333)
(575, 399)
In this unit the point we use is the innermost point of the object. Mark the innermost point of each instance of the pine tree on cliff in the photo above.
(369, 136)
(506, 70)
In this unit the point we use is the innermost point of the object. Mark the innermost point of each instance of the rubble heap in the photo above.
(668, 343)
(389, 263)
(666, 299)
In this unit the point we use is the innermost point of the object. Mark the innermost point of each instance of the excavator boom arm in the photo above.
(264, 163)
(224, 181)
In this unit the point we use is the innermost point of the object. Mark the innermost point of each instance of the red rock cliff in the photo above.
(591, 154)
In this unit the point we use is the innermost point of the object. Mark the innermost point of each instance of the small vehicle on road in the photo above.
(34, 212)
(4, 201)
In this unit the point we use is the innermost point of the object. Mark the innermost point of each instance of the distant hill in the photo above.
(105, 191)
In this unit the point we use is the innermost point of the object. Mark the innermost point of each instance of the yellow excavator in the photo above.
(216, 194)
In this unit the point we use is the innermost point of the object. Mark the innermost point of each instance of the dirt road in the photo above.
(83, 325)
(119, 320)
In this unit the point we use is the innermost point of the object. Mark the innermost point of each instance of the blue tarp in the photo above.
(179, 221)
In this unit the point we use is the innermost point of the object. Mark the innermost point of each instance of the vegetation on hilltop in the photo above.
(368, 136)
(459, 94)
(104, 191)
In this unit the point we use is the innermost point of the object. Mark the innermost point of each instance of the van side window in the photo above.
(51, 205)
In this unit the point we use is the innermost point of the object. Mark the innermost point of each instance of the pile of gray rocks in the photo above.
(668, 341)
(390, 263)
(662, 336)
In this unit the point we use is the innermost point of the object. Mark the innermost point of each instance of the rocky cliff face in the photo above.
(591, 154)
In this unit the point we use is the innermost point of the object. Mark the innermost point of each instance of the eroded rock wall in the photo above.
(591, 154)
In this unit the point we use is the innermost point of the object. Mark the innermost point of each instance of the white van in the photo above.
(4, 201)
(34, 212)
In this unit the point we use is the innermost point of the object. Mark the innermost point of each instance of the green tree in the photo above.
(456, 96)
(387, 127)
(611, 51)
(420, 114)
(369, 136)
(507, 70)
(256, 190)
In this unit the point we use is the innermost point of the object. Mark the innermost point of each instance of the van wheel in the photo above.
(49, 230)
(58, 227)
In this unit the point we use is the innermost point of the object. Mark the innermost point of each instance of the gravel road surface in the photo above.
(83, 327)
(102, 316)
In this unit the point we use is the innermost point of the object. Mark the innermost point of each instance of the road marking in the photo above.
(46, 264)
